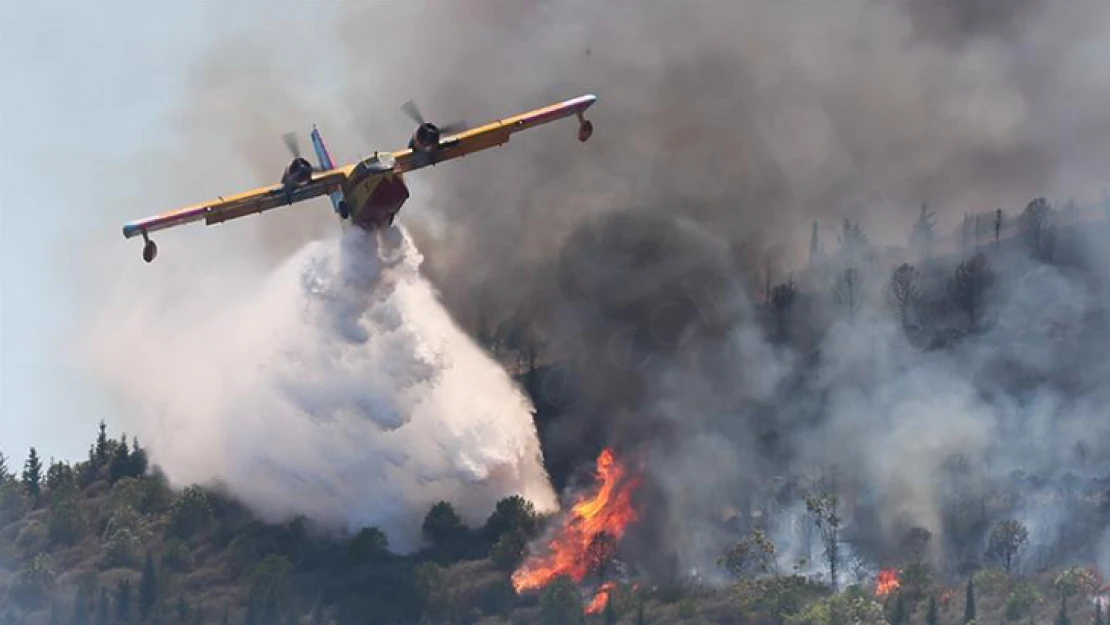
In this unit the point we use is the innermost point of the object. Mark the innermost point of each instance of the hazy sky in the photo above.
(87, 88)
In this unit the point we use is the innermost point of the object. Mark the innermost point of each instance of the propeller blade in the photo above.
(410, 109)
(292, 143)
(453, 128)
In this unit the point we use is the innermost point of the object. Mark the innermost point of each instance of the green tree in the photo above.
(139, 463)
(67, 521)
(103, 608)
(511, 513)
(754, 554)
(1062, 616)
(968, 287)
(60, 480)
(851, 606)
(560, 603)
(369, 545)
(5, 472)
(102, 449)
(1098, 613)
(121, 461)
(32, 477)
(923, 233)
(823, 508)
(148, 587)
(30, 588)
(1022, 600)
(932, 614)
(969, 606)
(508, 552)
(123, 601)
(610, 613)
(1035, 226)
(270, 586)
(1075, 581)
(898, 617)
(190, 513)
(1006, 542)
(83, 601)
(442, 525)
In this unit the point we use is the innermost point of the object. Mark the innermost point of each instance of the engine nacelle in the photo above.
(298, 172)
(425, 138)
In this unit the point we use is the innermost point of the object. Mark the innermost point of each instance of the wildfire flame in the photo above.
(601, 599)
(592, 523)
(946, 596)
(886, 582)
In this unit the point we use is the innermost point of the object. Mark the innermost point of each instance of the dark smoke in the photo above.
(639, 260)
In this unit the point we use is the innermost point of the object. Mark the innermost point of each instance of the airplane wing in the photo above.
(242, 204)
(496, 133)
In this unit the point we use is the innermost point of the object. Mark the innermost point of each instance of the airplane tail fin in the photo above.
(326, 163)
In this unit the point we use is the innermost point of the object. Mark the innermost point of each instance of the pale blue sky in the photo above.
(81, 81)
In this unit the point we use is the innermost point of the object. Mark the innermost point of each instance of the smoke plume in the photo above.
(641, 259)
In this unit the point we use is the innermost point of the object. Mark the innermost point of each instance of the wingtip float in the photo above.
(369, 192)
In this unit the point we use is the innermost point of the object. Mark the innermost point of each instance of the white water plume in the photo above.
(339, 388)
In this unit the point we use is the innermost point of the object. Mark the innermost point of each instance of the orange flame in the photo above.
(572, 550)
(601, 599)
(886, 582)
(946, 596)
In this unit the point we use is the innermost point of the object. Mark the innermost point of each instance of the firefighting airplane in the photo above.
(370, 192)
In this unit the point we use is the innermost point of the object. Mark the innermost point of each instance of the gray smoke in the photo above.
(722, 131)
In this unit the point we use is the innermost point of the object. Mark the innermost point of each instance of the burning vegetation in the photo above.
(886, 582)
(587, 537)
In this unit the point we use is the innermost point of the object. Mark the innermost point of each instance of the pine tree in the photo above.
(1098, 612)
(102, 445)
(969, 610)
(138, 461)
(148, 587)
(121, 461)
(640, 620)
(32, 476)
(932, 615)
(5, 472)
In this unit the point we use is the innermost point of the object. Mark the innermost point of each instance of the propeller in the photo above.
(410, 109)
(292, 144)
(413, 111)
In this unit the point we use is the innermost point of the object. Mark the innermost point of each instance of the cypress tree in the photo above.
(899, 616)
(969, 609)
(1098, 611)
(102, 609)
(1062, 617)
(148, 587)
(932, 616)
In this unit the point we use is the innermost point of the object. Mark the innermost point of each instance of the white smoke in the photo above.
(338, 388)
